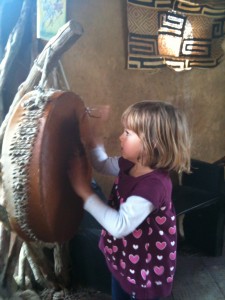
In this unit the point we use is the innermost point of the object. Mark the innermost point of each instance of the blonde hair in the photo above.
(164, 133)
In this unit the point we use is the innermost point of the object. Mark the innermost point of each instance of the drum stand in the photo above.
(36, 266)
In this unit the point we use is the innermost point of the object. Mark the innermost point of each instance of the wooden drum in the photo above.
(40, 138)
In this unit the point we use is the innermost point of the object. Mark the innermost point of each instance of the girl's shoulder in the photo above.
(159, 179)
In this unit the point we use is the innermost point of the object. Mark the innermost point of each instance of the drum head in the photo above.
(39, 140)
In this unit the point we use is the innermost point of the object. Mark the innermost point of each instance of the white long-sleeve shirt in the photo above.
(130, 214)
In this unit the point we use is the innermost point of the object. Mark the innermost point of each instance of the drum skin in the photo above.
(39, 198)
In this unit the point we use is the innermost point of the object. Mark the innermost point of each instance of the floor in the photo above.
(199, 278)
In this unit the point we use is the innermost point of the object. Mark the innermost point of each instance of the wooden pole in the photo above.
(12, 48)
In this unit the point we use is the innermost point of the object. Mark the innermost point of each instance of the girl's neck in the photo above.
(139, 170)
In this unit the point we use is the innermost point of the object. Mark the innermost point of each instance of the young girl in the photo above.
(139, 235)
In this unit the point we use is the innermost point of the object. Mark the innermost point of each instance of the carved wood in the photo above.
(53, 50)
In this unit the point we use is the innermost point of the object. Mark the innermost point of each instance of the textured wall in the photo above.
(96, 70)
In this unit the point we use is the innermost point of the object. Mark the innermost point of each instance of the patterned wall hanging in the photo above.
(179, 34)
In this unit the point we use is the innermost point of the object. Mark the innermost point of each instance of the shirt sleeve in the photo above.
(103, 163)
(119, 223)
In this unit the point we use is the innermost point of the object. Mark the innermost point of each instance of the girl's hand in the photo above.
(80, 174)
(95, 119)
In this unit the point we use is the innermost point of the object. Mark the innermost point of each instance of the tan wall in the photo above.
(96, 70)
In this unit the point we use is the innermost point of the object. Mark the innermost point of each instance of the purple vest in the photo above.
(144, 261)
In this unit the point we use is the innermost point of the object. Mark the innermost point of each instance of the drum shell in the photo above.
(51, 211)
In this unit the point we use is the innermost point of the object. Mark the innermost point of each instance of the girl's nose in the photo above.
(121, 137)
